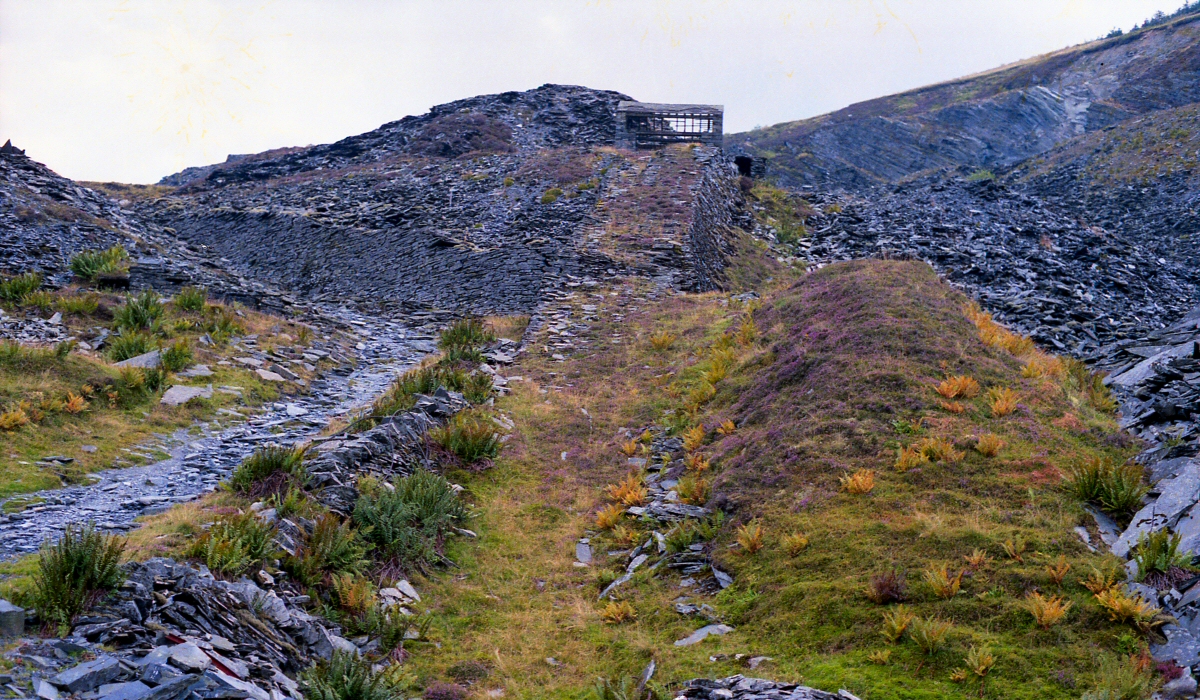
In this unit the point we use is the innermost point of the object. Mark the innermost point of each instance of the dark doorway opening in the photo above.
(744, 165)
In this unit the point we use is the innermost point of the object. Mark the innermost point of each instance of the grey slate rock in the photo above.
(12, 619)
(133, 690)
(702, 633)
(89, 675)
(149, 360)
(1181, 647)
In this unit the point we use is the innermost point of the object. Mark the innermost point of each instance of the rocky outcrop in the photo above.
(742, 688)
(1071, 284)
(991, 120)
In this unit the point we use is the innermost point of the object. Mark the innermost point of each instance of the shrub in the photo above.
(1117, 490)
(139, 312)
(1100, 581)
(1014, 548)
(980, 660)
(618, 611)
(1159, 551)
(346, 676)
(191, 299)
(78, 304)
(727, 428)
(14, 290)
(977, 558)
(795, 543)
(409, 522)
(89, 264)
(629, 448)
(910, 458)
(129, 344)
(333, 547)
(747, 332)
(929, 634)
(74, 404)
(981, 174)
(631, 491)
(70, 573)
(224, 326)
(896, 623)
(693, 438)
(13, 418)
(1121, 607)
(942, 583)
(1121, 679)
(959, 387)
(41, 300)
(940, 450)
(177, 357)
(662, 341)
(478, 387)
(1081, 378)
(469, 437)
(609, 516)
(466, 333)
(860, 482)
(750, 536)
(1002, 401)
(272, 469)
(235, 545)
(694, 489)
(696, 462)
(135, 383)
(353, 594)
(551, 195)
(887, 587)
(1046, 612)
(989, 445)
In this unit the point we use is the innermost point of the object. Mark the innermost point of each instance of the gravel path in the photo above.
(198, 463)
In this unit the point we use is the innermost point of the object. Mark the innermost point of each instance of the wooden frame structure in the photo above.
(650, 125)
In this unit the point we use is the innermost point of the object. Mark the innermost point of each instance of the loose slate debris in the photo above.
(175, 631)
(741, 688)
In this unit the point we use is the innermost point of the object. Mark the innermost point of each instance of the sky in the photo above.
(132, 90)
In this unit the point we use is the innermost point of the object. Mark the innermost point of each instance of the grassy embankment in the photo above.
(842, 374)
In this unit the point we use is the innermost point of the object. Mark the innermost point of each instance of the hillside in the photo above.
(991, 120)
(479, 405)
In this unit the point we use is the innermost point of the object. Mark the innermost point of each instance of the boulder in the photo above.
(88, 676)
(178, 395)
(12, 619)
(149, 360)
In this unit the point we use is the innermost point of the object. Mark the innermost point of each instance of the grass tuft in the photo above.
(90, 264)
(860, 482)
(469, 437)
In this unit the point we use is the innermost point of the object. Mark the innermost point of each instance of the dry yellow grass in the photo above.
(940, 450)
(795, 543)
(662, 341)
(1002, 401)
(693, 438)
(618, 612)
(998, 336)
(1058, 570)
(989, 444)
(959, 387)
(909, 458)
(609, 516)
(1122, 607)
(751, 537)
(860, 482)
(630, 491)
(941, 582)
(1046, 612)
(629, 448)
(955, 407)
(696, 462)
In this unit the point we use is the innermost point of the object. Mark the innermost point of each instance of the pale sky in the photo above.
(132, 90)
